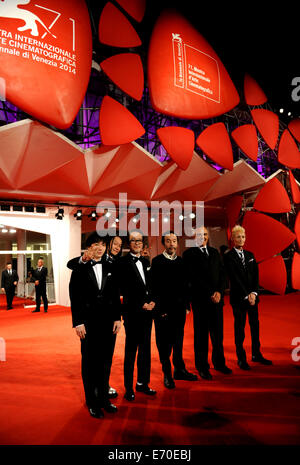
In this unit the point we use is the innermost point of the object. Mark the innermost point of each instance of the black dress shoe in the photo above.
(45, 311)
(185, 375)
(34, 311)
(129, 395)
(110, 408)
(243, 365)
(224, 369)
(261, 359)
(145, 389)
(112, 393)
(205, 375)
(169, 382)
(96, 412)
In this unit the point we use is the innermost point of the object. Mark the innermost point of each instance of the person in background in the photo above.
(9, 281)
(206, 277)
(133, 281)
(113, 253)
(95, 307)
(243, 275)
(40, 275)
(170, 293)
(114, 248)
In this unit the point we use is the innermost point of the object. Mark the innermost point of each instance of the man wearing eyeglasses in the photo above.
(133, 281)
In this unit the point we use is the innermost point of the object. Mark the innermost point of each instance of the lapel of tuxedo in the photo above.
(92, 275)
(136, 271)
(104, 276)
(238, 260)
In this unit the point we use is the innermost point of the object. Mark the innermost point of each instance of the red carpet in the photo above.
(42, 398)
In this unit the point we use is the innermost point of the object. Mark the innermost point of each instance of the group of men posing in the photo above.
(106, 287)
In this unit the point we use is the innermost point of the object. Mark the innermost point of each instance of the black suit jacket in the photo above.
(7, 279)
(40, 276)
(89, 304)
(169, 285)
(131, 285)
(242, 280)
(206, 274)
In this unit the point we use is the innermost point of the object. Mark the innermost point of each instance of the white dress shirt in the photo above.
(139, 266)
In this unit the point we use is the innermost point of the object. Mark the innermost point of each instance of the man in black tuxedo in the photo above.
(9, 281)
(113, 253)
(170, 291)
(95, 307)
(206, 276)
(133, 281)
(242, 270)
(39, 275)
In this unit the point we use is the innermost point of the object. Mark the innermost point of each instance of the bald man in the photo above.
(206, 276)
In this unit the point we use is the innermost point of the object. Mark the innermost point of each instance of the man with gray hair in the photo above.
(242, 271)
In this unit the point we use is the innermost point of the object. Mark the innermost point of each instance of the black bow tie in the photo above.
(136, 259)
(96, 263)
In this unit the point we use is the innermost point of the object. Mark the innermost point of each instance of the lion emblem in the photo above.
(9, 9)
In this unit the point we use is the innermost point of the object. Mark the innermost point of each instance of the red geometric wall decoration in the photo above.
(186, 77)
(295, 272)
(117, 125)
(267, 123)
(215, 143)
(179, 143)
(273, 198)
(245, 137)
(294, 127)
(126, 71)
(265, 237)
(288, 153)
(297, 228)
(45, 83)
(272, 275)
(294, 188)
(253, 93)
(136, 8)
(115, 29)
(233, 208)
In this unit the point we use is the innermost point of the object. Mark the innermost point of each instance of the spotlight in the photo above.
(281, 110)
(39, 209)
(12, 231)
(93, 215)
(29, 208)
(192, 215)
(4, 230)
(5, 208)
(78, 215)
(152, 220)
(17, 208)
(166, 219)
(60, 214)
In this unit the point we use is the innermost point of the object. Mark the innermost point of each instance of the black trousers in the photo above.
(240, 312)
(169, 333)
(10, 293)
(208, 321)
(96, 363)
(138, 341)
(40, 292)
